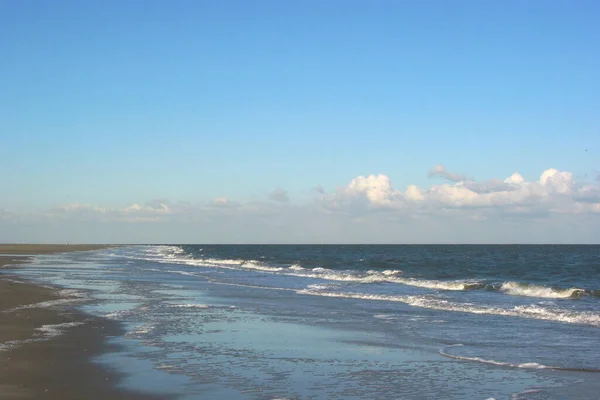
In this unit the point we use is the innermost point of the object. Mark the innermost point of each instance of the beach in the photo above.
(301, 322)
(46, 352)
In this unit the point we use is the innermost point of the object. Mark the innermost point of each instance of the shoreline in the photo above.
(48, 352)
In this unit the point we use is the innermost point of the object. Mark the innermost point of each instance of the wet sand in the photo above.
(60, 367)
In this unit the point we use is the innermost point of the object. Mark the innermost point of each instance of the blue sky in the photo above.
(112, 104)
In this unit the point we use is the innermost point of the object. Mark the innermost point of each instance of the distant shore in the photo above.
(59, 367)
(33, 249)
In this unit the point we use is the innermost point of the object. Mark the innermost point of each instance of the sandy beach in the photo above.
(59, 367)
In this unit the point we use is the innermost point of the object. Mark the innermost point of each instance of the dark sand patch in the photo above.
(34, 365)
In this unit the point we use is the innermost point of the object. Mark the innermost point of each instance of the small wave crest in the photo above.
(322, 287)
(296, 267)
(387, 272)
(257, 266)
(524, 289)
(457, 285)
(526, 365)
(386, 276)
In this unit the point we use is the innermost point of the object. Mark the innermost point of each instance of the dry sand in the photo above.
(60, 367)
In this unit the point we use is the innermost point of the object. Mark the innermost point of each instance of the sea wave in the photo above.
(529, 311)
(175, 254)
(526, 365)
(257, 266)
(524, 289)
(457, 285)
(371, 276)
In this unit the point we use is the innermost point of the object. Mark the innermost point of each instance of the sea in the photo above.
(343, 321)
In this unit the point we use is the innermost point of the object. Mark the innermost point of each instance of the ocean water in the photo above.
(345, 322)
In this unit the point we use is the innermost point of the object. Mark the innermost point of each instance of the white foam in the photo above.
(389, 276)
(191, 305)
(117, 314)
(53, 330)
(71, 293)
(224, 261)
(532, 312)
(346, 277)
(317, 286)
(182, 273)
(47, 304)
(67, 296)
(386, 276)
(140, 330)
(493, 362)
(519, 289)
(386, 317)
(11, 344)
(517, 396)
(260, 267)
(526, 365)
(438, 285)
(372, 276)
(387, 272)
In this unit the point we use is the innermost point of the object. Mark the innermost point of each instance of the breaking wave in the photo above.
(529, 365)
(175, 254)
(528, 311)
(523, 289)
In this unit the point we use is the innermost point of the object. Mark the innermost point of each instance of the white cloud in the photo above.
(147, 212)
(368, 209)
(279, 195)
(222, 204)
(153, 208)
(414, 193)
(376, 188)
(555, 192)
(515, 178)
(440, 170)
(560, 182)
(588, 194)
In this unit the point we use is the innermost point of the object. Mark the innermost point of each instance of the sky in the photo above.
(299, 121)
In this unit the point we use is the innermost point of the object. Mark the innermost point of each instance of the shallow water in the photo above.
(346, 322)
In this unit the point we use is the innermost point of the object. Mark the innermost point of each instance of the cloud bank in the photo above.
(369, 209)
(554, 192)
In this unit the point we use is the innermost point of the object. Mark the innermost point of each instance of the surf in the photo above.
(526, 365)
(528, 311)
(529, 290)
